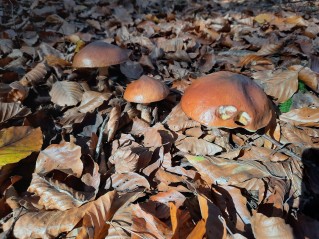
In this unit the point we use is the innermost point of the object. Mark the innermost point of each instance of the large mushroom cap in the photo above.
(99, 54)
(146, 90)
(229, 100)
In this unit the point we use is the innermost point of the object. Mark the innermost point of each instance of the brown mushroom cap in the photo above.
(99, 54)
(146, 90)
(229, 100)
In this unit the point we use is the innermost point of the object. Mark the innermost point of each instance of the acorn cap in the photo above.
(99, 54)
(146, 90)
(228, 100)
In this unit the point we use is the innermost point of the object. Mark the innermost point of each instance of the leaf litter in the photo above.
(79, 161)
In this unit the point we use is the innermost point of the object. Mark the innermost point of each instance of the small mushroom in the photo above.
(144, 91)
(101, 55)
(228, 100)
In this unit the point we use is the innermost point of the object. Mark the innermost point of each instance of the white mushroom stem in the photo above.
(146, 112)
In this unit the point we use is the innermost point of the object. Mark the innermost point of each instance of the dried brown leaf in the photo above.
(197, 146)
(281, 84)
(91, 100)
(48, 224)
(12, 110)
(53, 60)
(178, 120)
(230, 172)
(66, 93)
(145, 224)
(56, 195)
(17, 142)
(302, 117)
(130, 159)
(296, 136)
(267, 227)
(65, 157)
(36, 75)
(126, 182)
(211, 213)
(169, 196)
(269, 49)
(113, 122)
(309, 77)
(254, 60)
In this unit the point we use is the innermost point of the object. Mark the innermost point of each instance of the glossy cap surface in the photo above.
(99, 54)
(146, 90)
(228, 100)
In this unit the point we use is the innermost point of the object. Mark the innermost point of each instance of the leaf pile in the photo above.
(79, 161)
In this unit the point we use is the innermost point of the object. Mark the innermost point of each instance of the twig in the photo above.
(99, 142)
(281, 146)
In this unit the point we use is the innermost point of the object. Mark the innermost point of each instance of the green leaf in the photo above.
(16, 143)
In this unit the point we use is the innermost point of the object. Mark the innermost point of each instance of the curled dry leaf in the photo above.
(254, 60)
(211, 213)
(269, 49)
(230, 172)
(91, 100)
(302, 117)
(48, 224)
(309, 77)
(36, 75)
(281, 84)
(126, 182)
(145, 224)
(113, 122)
(178, 120)
(53, 60)
(65, 157)
(18, 92)
(18, 142)
(12, 110)
(56, 195)
(130, 159)
(296, 136)
(197, 146)
(270, 227)
(66, 93)
(169, 196)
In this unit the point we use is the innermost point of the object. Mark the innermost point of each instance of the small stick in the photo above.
(281, 146)
(99, 142)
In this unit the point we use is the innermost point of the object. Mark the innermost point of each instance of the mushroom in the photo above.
(101, 55)
(228, 100)
(144, 91)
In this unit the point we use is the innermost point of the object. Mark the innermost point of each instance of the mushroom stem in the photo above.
(103, 84)
(145, 112)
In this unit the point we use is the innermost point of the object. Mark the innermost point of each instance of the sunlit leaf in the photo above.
(302, 117)
(267, 227)
(66, 93)
(12, 110)
(18, 142)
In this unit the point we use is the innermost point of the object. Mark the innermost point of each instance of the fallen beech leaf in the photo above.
(210, 213)
(145, 224)
(48, 224)
(254, 60)
(269, 49)
(126, 182)
(270, 227)
(169, 196)
(178, 120)
(296, 136)
(199, 231)
(130, 159)
(230, 172)
(66, 93)
(56, 195)
(36, 75)
(281, 84)
(196, 146)
(181, 222)
(18, 142)
(65, 157)
(264, 18)
(12, 110)
(309, 77)
(53, 60)
(302, 117)
(113, 122)
(91, 100)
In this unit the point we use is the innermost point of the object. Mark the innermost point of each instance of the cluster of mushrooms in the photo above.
(222, 99)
